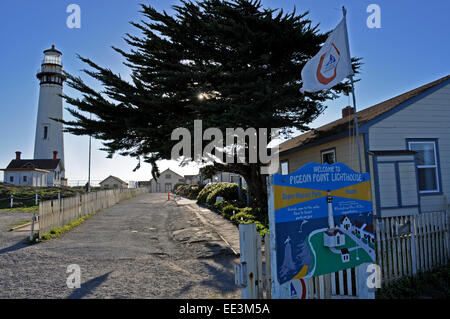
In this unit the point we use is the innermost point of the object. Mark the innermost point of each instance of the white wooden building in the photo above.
(405, 145)
(113, 182)
(35, 172)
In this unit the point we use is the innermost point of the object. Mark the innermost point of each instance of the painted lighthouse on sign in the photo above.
(323, 221)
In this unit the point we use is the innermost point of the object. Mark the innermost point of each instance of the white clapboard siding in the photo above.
(57, 213)
(425, 118)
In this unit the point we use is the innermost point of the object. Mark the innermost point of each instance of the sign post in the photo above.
(321, 222)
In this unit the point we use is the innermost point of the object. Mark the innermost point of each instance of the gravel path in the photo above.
(146, 247)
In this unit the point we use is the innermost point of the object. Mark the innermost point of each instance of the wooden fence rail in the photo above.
(405, 245)
(410, 244)
(57, 213)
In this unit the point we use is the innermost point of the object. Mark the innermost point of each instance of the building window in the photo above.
(328, 156)
(25, 179)
(11, 179)
(45, 132)
(427, 165)
(285, 168)
(168, 176)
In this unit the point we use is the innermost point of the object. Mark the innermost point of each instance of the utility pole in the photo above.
(89, 167)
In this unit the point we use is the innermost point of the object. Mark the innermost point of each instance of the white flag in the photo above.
(331, 65)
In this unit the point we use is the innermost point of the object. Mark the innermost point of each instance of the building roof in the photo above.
(364, 116)
(52, 49)
(25, 170)
(332, 232)
(29, 164)
(116, 178)
(163, 172)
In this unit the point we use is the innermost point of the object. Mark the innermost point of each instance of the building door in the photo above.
(168, 187)
(158, 188)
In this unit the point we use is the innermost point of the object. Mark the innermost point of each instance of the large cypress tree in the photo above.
(229, 63)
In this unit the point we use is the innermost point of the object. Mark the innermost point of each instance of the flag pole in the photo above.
(354, 98)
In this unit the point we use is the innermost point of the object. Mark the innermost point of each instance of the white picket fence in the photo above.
(410, 244)
(59, 212)
(404, 246)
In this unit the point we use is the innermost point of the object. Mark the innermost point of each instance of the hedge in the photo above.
(229, 192)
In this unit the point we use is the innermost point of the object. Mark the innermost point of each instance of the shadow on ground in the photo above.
(21, 244)
(221, 277)
(88, 286)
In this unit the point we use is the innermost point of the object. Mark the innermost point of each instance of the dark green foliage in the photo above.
(219, 205)
(228, 211)
(228, 191)
(176, 186)
(189, 191)
(435, 285)
(194, 191)
(201, 198)
(249, 215)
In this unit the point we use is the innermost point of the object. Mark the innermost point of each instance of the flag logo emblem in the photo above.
(327, 73)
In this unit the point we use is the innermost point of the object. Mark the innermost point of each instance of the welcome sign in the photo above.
(323, 221)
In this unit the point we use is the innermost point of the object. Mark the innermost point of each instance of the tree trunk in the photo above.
(256, 185)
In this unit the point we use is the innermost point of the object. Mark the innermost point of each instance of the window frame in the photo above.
(326, 151)
(436, 165)
(281, 166)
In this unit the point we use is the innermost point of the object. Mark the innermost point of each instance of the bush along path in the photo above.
(230, 207)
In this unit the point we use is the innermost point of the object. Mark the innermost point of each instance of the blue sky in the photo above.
(411, 48)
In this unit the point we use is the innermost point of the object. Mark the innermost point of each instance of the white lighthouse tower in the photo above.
(49, 142)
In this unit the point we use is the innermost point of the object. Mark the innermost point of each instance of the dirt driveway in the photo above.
(146, 247)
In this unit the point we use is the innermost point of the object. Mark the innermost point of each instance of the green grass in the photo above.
(25, 195)
(56, 232)
(19, 223)
(434, 285)
(31, 209)
(327, 261)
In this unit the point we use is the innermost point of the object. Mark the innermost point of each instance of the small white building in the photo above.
(35, 172)
(345, 255)
(113, 182)
(333, 238)
(346, 223)
(165, 182)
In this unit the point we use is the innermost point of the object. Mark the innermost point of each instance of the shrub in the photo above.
(242, 218)
(194, 190)
(176, 186)
(228, 211)
(227, 191)
(219, 205)
(247, 215)
(201, 198)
